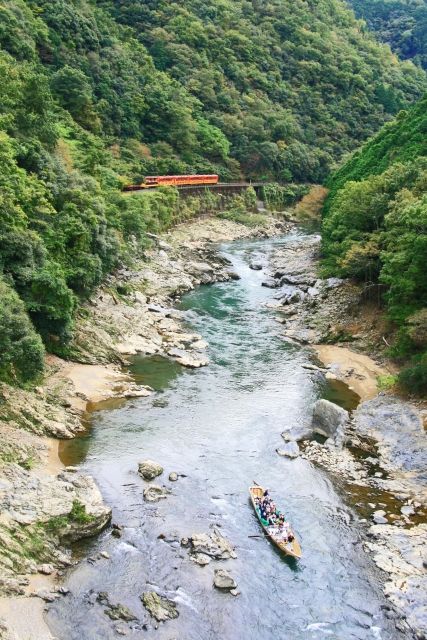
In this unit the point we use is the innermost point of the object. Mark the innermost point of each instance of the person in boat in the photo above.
(272, 519)
(280, 521)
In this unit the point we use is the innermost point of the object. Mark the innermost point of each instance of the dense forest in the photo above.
(400, 23)
(375, 229)
(97, 94)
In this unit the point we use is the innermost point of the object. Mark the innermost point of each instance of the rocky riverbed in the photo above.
(43, 507)
(379, 452)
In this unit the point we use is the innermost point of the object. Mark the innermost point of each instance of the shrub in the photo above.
(414, 378)
(21, 349)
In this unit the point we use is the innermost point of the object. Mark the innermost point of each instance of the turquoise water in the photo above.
(220, 426)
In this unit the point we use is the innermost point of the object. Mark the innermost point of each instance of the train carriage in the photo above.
(151, 182)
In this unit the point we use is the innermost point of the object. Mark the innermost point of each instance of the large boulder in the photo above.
(149, 469)
(289, 450)
(328, 418)
(213, 545)
(223, 580)
(159, 607)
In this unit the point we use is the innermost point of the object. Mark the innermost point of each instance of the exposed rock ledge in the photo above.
(37, 513)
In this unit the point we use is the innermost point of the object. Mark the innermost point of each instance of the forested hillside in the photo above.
(400, 23)
(96, 94)
(375, 228)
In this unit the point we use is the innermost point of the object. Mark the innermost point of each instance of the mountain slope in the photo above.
(400, 23)
(292, 84)
(375, 228)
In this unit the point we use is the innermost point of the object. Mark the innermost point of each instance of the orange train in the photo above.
(172, 181)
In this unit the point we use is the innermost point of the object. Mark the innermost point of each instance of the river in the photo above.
(220, 426)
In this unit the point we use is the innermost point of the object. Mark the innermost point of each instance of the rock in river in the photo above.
(154, 493)
(289, 450)
(120, 612)
(159, 607)
(223, 580)
(328, 417)
(379, 517)
(214, 545)
(200, 558)
(149, 469)
(173, 476)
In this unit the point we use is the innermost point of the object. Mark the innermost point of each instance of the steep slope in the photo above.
(400, 23)
(375, 228)
(273, 90)
(292, 84)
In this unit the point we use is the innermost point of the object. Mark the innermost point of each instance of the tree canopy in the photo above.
(375, 228)
(400, 23)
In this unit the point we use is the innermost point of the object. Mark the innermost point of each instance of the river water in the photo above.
(220, 426)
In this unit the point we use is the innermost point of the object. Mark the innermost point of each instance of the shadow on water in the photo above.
(338, 392)
(155, 371)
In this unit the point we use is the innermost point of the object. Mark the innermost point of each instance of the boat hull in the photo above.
(293, 548)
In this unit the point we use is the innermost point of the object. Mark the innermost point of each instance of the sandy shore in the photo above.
(24, 618)
(24, 615)
(92, 383)
(358, 371)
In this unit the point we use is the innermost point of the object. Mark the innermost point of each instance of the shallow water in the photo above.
(220, 427)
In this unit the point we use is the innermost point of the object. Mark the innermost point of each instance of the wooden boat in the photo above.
(293, 548)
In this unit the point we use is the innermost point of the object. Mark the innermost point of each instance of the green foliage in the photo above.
(283, 88)
(375, 224)
(21, 349)
(386, 382)
(277, 197)
(72, 88)
(78, 513)
(252, 220)
(57, 525)
(401, 140)
(400, 23)
(414, 378)
(241, 209)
